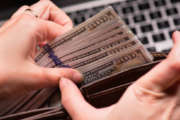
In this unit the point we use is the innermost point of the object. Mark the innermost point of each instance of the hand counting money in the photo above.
(101, 46)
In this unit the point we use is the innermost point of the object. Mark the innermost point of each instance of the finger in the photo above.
(165, 74)
(176, 37)
(40, 77)
(49, 11)
(20, 11)
(73, 101)
(50, 30)
(40, 29)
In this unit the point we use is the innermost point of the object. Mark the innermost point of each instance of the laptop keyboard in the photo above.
(153, 21)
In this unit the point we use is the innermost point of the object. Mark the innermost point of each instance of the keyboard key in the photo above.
(159, 3)
(75, 21)
(81, 12)
(158, 37)
(83, 19)
(139, 18)
(177, 21)
(166, 50)
(171, 11)
(134, 30)
(144, 6)
(147, 28)
(129, 9)
(128, 1)
(170, 33)
(175, 1)
(115, 5)
(163, 24)
(144, 40)
(79, 20)
(151, 49)
(98, 9)
(126, 20)
(69, 14)
(155, 15)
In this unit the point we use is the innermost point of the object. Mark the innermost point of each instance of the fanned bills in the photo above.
(99, 47)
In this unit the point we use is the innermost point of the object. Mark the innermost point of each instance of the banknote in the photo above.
(100, 47)
(84, 43)
(114, 65)
(85, 46)
(93, 23)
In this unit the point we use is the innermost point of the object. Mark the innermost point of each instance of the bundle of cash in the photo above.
(101, 46)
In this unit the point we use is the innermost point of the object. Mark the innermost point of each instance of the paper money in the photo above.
(115, 65)
(97, 42)
(100, 47)
(82, 30)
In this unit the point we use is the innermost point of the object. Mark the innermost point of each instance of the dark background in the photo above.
(7, 7)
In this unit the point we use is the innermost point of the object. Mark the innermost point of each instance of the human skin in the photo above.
(155, 96)
(19, 37)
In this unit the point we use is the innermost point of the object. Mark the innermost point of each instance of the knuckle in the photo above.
(70, 22)
(174, 63)
(46, 2)
(28, 21)
(66, 72)
(24, 7)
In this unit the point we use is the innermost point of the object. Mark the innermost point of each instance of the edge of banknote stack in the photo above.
(100, 47)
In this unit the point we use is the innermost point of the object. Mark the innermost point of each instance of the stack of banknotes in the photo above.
(100, 47)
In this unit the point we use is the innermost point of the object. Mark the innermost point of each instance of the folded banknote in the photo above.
(100, 47)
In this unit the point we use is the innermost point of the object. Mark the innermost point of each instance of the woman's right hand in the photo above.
(19, 38)
(155, 96)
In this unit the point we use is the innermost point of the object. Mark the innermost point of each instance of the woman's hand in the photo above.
(19, 38)
(155, 96)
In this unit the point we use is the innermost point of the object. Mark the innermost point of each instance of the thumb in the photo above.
(74, 102)
(165, 74)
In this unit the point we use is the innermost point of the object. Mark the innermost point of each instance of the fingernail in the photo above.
(175, 33)
(65, 20)
(68, 27)
(77, 76)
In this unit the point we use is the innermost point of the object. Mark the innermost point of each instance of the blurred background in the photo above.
(153, 21)
(7, 7)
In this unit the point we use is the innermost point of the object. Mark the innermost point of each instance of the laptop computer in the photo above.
(153, 21)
